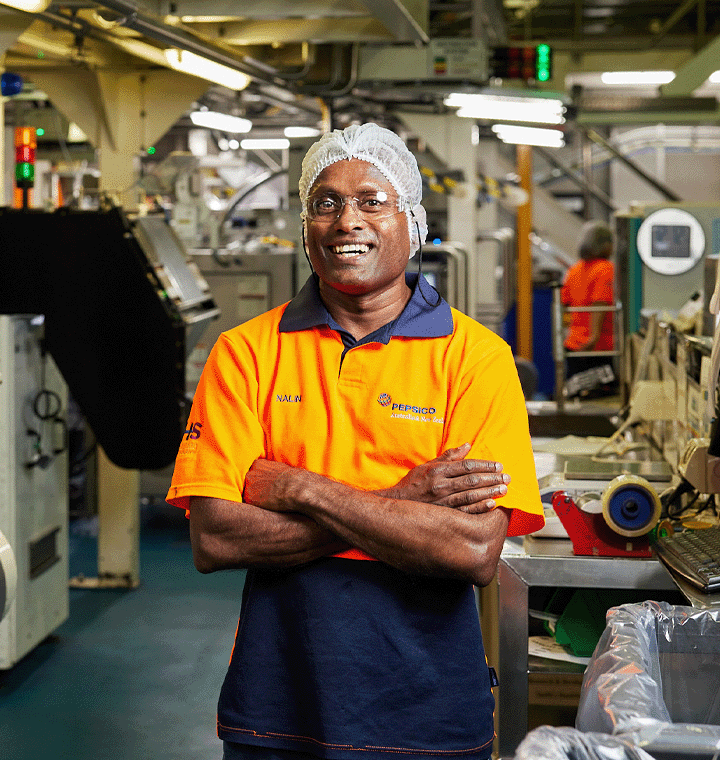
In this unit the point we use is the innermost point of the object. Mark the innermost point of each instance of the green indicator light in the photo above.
(39, 131)
(151, 150)
(24, 172)
(543, 62)
(40, 54)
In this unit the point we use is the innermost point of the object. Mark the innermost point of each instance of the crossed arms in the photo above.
(440, 519)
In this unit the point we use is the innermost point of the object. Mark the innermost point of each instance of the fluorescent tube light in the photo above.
(637, 77)
(714, 77)
(301, 132)
(511, 133)
(189, 63)
(279, 143)
(31, 6)
(491, 107)
(223, 122)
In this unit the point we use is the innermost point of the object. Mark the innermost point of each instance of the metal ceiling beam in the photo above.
(178, 37)
(407, 20)
(260, 9)
(696, 71)
(598, 101)
(674, 17)
(12, 25)
(627, 118)
(293, 30)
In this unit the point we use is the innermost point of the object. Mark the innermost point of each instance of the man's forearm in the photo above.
(232, 535)
(412, 536)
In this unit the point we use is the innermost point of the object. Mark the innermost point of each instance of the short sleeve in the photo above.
(223, 436)
(489, 412)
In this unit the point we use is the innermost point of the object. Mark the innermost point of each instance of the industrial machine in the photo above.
(33, 489)
(121, 304)
(243, 285)
(665, 254)
(116, 304)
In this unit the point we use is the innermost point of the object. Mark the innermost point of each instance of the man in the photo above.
(589, 282)
(343, 447)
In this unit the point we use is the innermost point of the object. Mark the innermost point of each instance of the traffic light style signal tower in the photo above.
(25, 147)
(531, 64)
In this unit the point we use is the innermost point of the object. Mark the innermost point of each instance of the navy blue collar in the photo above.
(420, 318)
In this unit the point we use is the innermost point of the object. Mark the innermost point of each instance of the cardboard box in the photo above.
(558, 689)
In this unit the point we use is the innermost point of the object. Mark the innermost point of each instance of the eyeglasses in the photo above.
(375, 205)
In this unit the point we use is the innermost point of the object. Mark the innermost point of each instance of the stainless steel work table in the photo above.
(527, 562)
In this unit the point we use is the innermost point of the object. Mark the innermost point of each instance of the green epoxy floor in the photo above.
(131, 675)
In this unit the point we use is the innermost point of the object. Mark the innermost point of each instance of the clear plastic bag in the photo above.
(549, 743)
(654, 680)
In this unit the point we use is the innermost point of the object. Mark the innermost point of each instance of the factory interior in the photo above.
(150, 155)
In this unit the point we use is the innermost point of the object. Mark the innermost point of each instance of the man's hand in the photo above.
(470, 485)
(267, 485)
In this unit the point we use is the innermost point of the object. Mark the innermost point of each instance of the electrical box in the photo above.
(33, 485)
(451, 59)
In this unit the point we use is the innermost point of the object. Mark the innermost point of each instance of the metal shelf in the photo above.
(535, 562)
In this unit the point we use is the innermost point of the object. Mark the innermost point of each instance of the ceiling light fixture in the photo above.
(265, 143)
(30, 6)
(198, 66)
(492, 107)
(223, 122)
(301, 132)
(511, 133)
(714, 78)
(637, 77)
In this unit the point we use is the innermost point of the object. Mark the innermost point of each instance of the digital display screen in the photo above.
(670, 241)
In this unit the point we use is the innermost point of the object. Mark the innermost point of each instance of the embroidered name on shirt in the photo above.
(288, 399)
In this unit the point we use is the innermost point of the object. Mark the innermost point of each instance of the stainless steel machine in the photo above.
(243, 285)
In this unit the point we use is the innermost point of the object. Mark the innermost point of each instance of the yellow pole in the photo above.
(524, 257)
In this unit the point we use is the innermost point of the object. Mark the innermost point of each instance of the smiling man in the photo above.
(364, 451)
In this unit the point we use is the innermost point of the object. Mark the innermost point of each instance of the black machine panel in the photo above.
(110, 326)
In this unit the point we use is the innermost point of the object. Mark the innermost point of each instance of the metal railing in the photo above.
(558, 343)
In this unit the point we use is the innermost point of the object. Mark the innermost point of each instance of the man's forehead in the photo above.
(351, 170)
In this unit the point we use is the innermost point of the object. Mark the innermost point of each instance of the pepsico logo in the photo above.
(384, 399)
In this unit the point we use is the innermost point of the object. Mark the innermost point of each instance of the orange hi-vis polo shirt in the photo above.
(339, 658)
(365, 416)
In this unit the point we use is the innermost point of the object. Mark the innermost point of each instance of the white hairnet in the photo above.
(380, 147)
